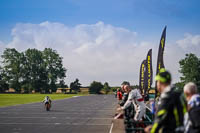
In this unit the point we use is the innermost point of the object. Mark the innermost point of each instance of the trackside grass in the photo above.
(15, 99)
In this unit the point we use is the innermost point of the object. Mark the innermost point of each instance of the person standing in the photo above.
(192, 124)
(136, 98)
(171, 107)
(119, 95)
(123, 101)
(124, 92)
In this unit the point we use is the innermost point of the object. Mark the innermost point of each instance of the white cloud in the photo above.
(97, 52)
(190, 43)
(175, 52)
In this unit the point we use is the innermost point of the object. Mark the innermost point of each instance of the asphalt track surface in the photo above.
(85, 114)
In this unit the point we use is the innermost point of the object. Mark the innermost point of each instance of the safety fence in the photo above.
(132, 126)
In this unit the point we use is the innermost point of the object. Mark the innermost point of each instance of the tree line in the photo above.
(41, 71)
(189, 69)
(94, 88)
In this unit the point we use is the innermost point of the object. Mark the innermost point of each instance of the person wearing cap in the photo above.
(136, 98)
(171, 107)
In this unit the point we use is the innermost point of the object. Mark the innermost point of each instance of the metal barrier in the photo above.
(132, 126)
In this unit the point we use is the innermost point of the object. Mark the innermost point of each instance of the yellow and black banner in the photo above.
(142, 76)
(149, 71)
(160, 62)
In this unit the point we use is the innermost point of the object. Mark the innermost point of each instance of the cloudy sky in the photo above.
(104, 40)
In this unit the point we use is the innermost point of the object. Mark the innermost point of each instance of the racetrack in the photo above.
(85, 114)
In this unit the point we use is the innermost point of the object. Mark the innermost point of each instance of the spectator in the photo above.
(119, 94)
(127, 111)
(124, 92)
(192, 124)
(136, 98)
(171, 107)
(125, 96)
(115, 93)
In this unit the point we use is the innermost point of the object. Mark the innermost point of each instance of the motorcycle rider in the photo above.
(136, 98)
(47, 100)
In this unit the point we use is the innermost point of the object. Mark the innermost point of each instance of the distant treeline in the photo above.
(32, 69)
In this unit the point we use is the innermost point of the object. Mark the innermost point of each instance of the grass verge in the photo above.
(15, 99)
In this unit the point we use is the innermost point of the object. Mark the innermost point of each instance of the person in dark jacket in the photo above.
(171, 107)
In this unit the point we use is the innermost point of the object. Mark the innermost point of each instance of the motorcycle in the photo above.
(47, 106)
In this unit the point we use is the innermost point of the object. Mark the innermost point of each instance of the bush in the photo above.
(95, 87)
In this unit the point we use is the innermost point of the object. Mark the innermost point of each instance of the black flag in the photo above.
(142, 78)
(160, 62)
(149, 70)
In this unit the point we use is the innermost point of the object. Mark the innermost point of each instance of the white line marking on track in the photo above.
(111, 128)
(76, 96)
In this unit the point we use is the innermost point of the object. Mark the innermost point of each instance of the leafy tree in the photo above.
(75, 86)
(3, 83)
(114, 89)
(95, 87)
(106, 87)
(179, 85)
(34, 71)
(54, 67)
(135, 86)
(12, 62)
(190, 69)
(62, 84)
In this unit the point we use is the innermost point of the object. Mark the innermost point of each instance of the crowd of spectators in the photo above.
(175, 111)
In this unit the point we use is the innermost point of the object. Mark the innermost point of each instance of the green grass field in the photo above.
(15, 99)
